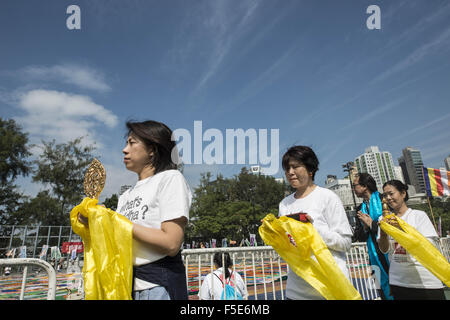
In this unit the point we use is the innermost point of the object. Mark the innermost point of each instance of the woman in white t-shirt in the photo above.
(158, 206)
(408, 279)
(323, 209)
(214, 284)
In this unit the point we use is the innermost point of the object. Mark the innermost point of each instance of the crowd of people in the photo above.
(158, 206)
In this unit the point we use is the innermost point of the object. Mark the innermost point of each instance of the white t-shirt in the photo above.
(212, 285)
(162, 197)
(404, 269)
(330, 221)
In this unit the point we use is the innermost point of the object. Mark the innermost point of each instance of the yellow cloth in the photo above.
(108, 251)
(324, 274)
(419, 247)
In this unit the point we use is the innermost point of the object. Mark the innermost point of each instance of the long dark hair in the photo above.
(226, 259)
(366, 180)
(157, 137)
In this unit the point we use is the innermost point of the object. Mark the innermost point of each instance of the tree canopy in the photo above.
(232, 208)
(13, 163)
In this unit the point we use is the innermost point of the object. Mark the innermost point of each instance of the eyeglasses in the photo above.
(357, 184)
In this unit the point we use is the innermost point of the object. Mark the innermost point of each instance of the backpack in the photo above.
(229, 292)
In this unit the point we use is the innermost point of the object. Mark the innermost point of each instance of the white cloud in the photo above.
(62, 116)
(80, 76)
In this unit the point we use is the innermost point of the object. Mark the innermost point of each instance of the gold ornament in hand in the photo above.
(94, 179)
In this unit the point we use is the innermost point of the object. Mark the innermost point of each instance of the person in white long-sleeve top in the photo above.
(323, 209)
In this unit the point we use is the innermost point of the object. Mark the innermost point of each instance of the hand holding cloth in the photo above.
(108, 255)
(294, 241)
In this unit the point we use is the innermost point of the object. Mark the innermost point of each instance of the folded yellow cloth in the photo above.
(108, 251)
(294, 241)
(419, 247)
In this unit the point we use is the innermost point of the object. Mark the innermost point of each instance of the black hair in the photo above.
(302, 154)
(226, 259)
(157, 137)
(366, 180)
(400, 186)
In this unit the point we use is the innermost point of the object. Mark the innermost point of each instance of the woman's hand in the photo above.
(84, 220)
(365, 218)
(393, 222)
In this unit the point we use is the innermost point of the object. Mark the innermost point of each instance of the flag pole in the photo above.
(431, 209)
(428, 198)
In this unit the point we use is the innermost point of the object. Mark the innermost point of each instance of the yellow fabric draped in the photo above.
(108, 251)
(294, 241)
(419, 247)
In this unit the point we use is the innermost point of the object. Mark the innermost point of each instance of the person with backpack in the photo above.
(223, 283)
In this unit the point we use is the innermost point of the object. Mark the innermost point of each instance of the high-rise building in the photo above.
(344, 191)
(402, 164)
(123, 189)
(378, 164)
(414, 165)
(398, 173)
(447, 163)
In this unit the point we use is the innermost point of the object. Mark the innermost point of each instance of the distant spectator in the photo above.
(214, 283)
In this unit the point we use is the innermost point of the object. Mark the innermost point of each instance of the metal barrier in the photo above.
(445, 247)
(260, 268)
(264, 272)
(33, 262)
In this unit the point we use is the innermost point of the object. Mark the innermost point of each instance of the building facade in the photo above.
(378, 164)
(414, 164)
(344, 191)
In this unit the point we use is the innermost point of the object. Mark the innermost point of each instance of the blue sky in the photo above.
(311, 69)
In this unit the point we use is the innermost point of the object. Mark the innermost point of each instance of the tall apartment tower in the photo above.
(413, 163)
(402, 164)
(447, 163)
(378, 164)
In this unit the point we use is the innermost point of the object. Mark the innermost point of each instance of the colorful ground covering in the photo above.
(36, 286)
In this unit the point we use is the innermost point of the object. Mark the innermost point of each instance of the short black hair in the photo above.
(366, 180)
(157, 137)
(400, 186)
(302, 154)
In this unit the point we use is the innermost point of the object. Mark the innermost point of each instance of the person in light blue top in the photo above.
(366, 230)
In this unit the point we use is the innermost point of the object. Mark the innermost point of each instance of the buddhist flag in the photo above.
(436, 182)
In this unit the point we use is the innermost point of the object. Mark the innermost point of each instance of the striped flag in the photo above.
(436, 182)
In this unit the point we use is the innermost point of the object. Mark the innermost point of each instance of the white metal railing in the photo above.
(261, 268)
(360, 271)
(264, 272)
(51, 294)
(445, 247)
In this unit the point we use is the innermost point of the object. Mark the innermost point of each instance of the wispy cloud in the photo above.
(439, 43)
(63, 116)
(80, 76)
(373, 113)
(223, 30)
(444, 118)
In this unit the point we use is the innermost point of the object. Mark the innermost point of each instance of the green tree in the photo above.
(232, 208)
(13, 163)
(62, 167)
(13, 151)
(441, 208)
(42, 209)
(111, 202)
